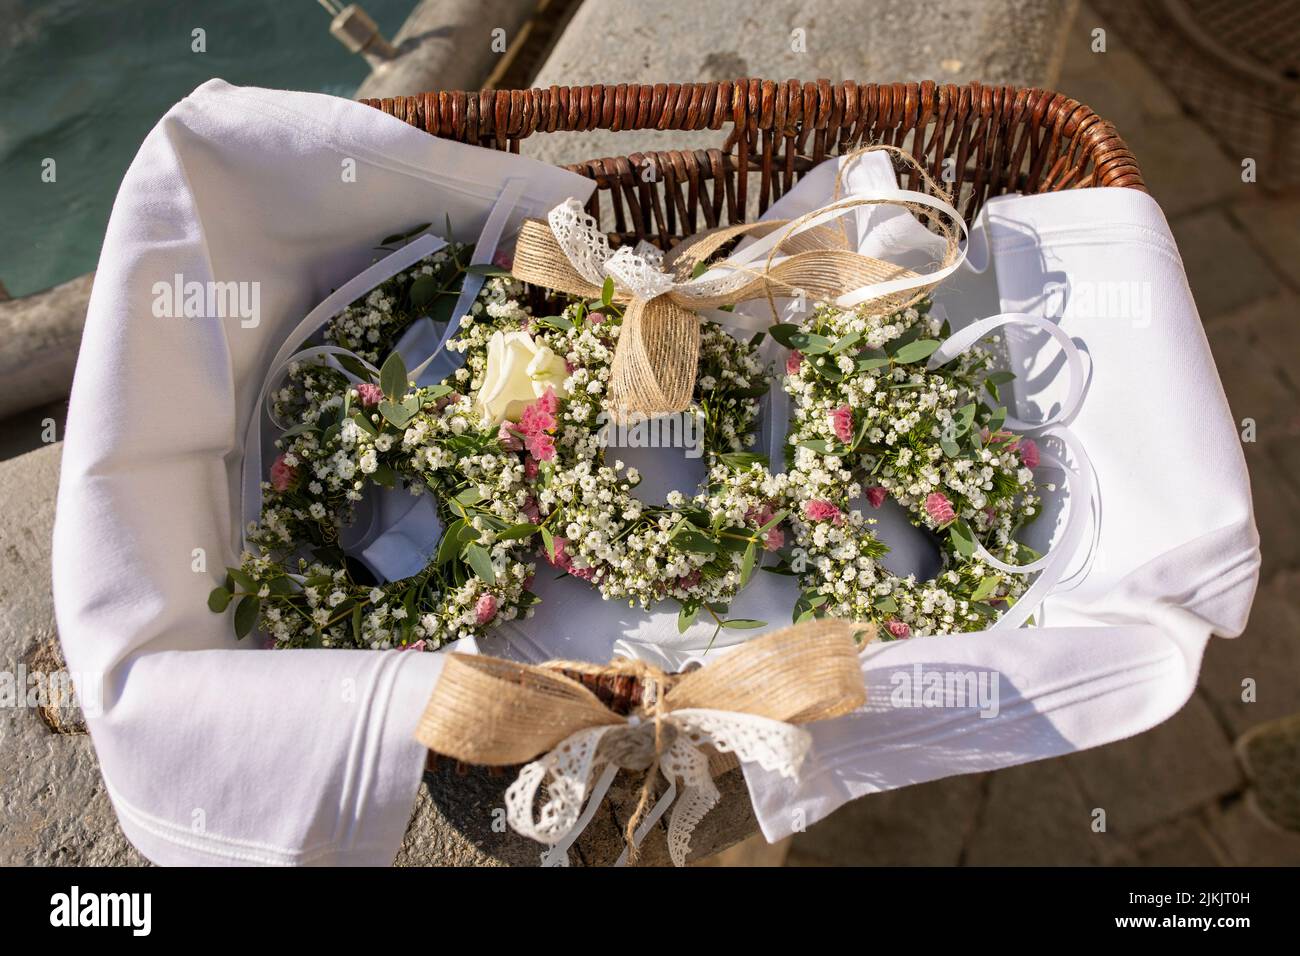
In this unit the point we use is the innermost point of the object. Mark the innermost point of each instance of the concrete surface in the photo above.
(53, 808)
(677, 41)
(447, 45)
(39, 338)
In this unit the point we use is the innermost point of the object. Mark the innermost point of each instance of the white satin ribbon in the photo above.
(333, 304)
(567, 770)
(383, 546)
(1052, 566)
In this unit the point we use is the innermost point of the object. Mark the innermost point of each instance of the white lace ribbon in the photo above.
(567, 771)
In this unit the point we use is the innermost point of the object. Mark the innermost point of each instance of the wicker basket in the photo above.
(999, 139)
(981, 141)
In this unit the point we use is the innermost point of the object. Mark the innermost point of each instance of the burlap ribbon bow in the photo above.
(747, 703)
(655, 361)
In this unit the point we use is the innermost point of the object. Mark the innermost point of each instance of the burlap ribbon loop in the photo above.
(655, 362)
(493, 712)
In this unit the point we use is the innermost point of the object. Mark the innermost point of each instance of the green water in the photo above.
(82, 83)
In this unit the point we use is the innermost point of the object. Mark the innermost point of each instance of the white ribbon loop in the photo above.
(567, 770)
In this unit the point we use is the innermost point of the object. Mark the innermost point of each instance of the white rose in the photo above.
(518, 373)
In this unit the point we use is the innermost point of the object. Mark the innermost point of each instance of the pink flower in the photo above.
(284, 477)
(417, 646)
(536, 424)
(502, 259)
(819, 510)
(530, 467)
(564, 561)
(369, 394)
(688, 581)
(842, 423)
(877, 496)
(793, 361)
(508, 440)
(1028, 452)
(536, 420)
(558, 556)
(485, 609)
(529, 508)
(774, 539)
(898, 628)
(596, 317)
(540, 446)
(446, 400)
(939, 507)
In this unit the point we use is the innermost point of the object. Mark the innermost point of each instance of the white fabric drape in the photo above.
(212, 751)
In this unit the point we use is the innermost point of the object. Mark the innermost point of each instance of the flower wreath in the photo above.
(871, 422)
(354, 432)
(514, 447)
(698, 550)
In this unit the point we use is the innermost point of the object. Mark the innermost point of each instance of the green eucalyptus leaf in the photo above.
(364, 423)
(243, 580)
(963, 539)
(470, 496)
(810, 343)
(517, 531)
(916, 351)
(246, 615)
(986, 587)
(396, 414)
(694, 541)
(403, 236)
(742, 624)
(392, 377)
(354, 365)
(219, 600)
(486, 269)
(784, 333)
(747, 563)
(450, 544)
(423, 291)
(847, 341)
(554, 322)
(743, 460)
(478, 558)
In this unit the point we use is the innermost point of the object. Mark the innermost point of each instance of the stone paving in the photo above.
(1175, 795)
